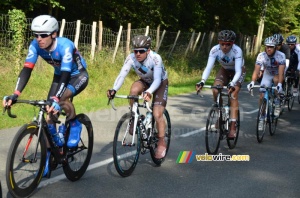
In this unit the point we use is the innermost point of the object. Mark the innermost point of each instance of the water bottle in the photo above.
(61, 133)
(54, 134)
(148, 120)
(226, 111)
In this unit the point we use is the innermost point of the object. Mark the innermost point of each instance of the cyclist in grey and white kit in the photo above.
(148, 65)
(273, 62)
(230, 57)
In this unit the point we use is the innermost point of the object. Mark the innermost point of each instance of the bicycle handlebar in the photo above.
(39, 103)
(219, 88)
(260, 86)
(136, 98)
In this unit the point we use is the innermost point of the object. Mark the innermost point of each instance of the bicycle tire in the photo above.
(261, 116)
(167, 139)
(0, 190)
(125, 155)
(298, 94)
(212, 133)
(23, 177)
(232, 142)
(78, 159)
(272, 119)
(291, 98)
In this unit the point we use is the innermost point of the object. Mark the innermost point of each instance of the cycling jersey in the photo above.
(233, 60)
(64, 57)
(270, 64)
(295, 58)
(151, 70)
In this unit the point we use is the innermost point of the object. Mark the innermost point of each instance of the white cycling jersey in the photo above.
(233, 60)
(270, 64)
(151, 70)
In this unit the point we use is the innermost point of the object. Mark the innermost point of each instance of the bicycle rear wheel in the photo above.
(298, 94)
(261, 121)
(212, 133)
(167, 138)
(272, 119)
(26, 161)
(125, 153)
(232, 142)
(78, 158)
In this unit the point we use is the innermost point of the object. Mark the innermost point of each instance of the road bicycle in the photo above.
(218, 122)
(143, 137)
(288, 90)
(27, 154)
(265, 114)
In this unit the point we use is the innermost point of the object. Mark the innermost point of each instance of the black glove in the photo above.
(13, 98)
(111, 93)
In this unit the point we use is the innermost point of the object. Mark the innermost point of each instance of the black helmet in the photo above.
(141, 41)
(279, 38)
(227, 36)
(291, 39)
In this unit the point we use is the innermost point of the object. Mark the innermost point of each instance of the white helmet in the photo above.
(44, 23)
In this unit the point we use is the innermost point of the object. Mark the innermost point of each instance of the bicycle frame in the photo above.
(135, 111)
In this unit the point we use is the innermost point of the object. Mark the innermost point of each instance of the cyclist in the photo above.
(149, 67)
(294, 66)
(273, 62)
(230, 57)
(70, 75)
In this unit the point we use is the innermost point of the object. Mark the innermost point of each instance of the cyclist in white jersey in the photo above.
(148, 65)
(230, 57)
(273, 62)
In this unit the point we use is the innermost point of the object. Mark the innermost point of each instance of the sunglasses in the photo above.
(141, 51)
(270, 47)
(291, 44)
(42, 35)
(227, 44)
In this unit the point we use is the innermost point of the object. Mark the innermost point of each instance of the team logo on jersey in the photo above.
(30, 52)
(68, 56)
(226, 59)
(143, 69)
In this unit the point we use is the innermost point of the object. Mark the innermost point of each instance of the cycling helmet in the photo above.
(141, 41)
(270, 41)
(44, 23)
(291, 39)
(227, 36)
(279, 38)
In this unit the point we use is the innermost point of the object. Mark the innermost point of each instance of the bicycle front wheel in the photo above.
(212, 133)
(167, 138)
(272, 119)
(261, 121)
(126, 147)
(79, 158)
(26, 161)
(232, 142)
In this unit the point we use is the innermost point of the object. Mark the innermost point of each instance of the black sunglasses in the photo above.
(142, 51)
(291, 44)
(42, 35)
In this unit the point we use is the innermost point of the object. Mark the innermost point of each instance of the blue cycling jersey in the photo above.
(63, 57)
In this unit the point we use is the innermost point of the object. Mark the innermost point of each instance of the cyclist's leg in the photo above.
(222, 79)
(159, 104)
(234, 103)
(76, 85)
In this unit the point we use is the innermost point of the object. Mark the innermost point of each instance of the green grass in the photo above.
(183, 74)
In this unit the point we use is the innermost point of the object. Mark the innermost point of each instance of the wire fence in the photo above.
(167, 43)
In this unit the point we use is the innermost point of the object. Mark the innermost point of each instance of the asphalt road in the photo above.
(273, 169)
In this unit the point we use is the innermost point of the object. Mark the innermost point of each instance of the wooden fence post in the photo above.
(93, 41)
(147, 31)
(77, 33)
(100, 34)
(117, 43)
(199, 49)
(174, 44)
(197, 40)
(211, 36)
(190, 44)
(62, 28)
(162, 37)
(157, 37)
(128, 39)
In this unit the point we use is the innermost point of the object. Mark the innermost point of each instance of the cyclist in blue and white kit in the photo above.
(70, 75)
(149, 67)
(230, 57)
(273, 62)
